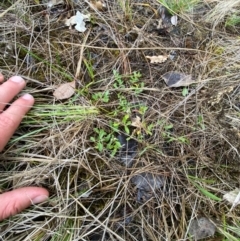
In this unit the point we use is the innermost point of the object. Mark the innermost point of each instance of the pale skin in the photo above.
(15, 201)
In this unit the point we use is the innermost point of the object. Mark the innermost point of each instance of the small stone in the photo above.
(147, 184)
(128, 150)
(201, 228)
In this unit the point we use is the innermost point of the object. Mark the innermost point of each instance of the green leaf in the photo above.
(184, 92)
(102, 133)
(125, 119)
(207, 193)
(208, 181)
(183, 139)
(127, 129)
(96, 130)
(168, 127)
(106, 96)
(100, 146)
(107, 138)
(228, 235)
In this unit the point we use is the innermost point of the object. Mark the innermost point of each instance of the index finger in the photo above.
(12, 117)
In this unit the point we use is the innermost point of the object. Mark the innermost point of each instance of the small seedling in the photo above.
(114, 126)
(89, 68)
(133, 80)
(184, 92)
(126, 123)
(101, 96)
(105, 141)
(232, 21)
(170, 137)
(118, 80)
(200, 122)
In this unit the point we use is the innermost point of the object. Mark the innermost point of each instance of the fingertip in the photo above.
(28, 97)
(39, 195)
(17, 79)
(15, 201)
(39, 199)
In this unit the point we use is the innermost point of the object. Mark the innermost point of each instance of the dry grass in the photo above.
(194, 140)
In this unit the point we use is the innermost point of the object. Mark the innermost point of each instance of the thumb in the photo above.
(15, 201)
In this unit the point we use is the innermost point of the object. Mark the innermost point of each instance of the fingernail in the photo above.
(17, 79)
(27, 97)
(39, 199)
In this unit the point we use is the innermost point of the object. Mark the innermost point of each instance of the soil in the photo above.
(194, 140)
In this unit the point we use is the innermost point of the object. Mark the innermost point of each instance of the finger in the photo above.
(1, 78)
(11, 118)
(15, 201)
(9, 89)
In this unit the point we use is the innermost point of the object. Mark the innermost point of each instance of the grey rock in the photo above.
(147, 184)
(128, 150)
(201, 228)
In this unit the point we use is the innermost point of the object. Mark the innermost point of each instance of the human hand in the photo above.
(13, 202)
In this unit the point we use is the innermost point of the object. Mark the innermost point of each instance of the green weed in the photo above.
(122, 112)
(128, 82)
(89, 68)
(232, 21)
(179, 6)
(185, 92)
(200, 122)
(105, 141)
(126, 8)
(169, 136)
(204, 191)
(42, 115)
(101, 96)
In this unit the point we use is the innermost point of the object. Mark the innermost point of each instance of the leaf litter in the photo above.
(64, 91)
(233, 197)
(98, 5)
(157, 59)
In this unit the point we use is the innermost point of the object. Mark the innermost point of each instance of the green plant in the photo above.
(121, 82)
(108, 141)
(105, 141)
(101, 96)
(134, 77)
(228, 235)
(204, 191)
(200, 122)
(169, 136)
(128, 82)
(232, 20)
(181, 139)
(118, 80)
(56, 68)
(185, 92)
(126, 122)
(178, 6)
(89, 68)
(43, 115)
(126, 7)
